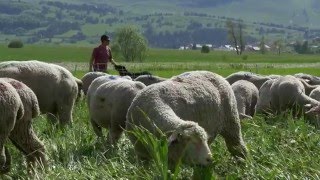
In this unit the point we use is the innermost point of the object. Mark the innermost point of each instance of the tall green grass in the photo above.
(279, 148)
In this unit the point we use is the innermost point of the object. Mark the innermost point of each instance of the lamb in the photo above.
(23, 135)
(88, 78)
(109, 105)
(256, 79)
(11, 110)
(186, 108)
(246, 94)
(149, 79)
(55, 87)
(288, 92)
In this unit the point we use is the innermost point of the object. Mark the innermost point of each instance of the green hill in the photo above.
(164, 23)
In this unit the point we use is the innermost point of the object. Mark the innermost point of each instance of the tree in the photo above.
(302, 48)
(262, 45)
(15, 44)
(235, 34)
(205, 49)
(278, 45)
(132, 44)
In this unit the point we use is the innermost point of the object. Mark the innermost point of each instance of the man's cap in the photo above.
(105, 38)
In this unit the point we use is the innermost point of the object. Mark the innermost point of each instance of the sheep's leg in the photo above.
(25, 139)
(65, 114)
(2, 153)
(115, 133)
(52, 118)
(96, 128)
(5, 157)
(233, 138)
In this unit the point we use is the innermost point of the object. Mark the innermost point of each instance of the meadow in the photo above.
(280, 147)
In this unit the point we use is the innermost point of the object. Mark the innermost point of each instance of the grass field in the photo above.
(279, 147)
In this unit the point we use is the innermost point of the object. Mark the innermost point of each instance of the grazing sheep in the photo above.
(109, 105)
(149, 79)
(55, 87)
(308, 88)
(256, 79)
(88, 78)
(273, 76)
(246, 94)
(22, 135)
(11, 111)
(200, 96)
(101, 80)
(312, 112)
(264, 100)
(312, 80)
(288, 92)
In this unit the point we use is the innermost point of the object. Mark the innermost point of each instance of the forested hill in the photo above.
(166, 23)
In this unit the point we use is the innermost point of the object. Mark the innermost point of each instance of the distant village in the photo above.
(313, 46)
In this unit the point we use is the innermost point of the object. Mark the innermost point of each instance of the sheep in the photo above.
(88, 78)
(312, 112)
(101, 80)
(149, 79)
(11, 110)
(23, 135)
(109, 105)
(246, 94)
(308, 87)
(286, 93)
(256, 79)
(55, 87)
(264, 99)
(186, 108)
(312, 80)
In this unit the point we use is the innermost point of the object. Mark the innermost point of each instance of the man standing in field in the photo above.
(101, 55)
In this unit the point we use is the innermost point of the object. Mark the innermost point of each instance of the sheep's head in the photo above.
(313, 114)
(189, 143)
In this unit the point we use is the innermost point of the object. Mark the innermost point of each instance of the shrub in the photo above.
(205, 49)
(15, 44)
(244, 57)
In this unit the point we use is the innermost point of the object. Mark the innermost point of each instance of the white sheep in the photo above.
(186, 108)
(264, 99)
(11, 110)
(101, 80)
(55, 87)
(246, 94)
(23, 135)
(88, 78)
(288, 92)
(311, 79)
(256, 79)
(312, 112)
(109, 105)
(149, 79)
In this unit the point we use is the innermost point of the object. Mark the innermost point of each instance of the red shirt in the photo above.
(102, 55)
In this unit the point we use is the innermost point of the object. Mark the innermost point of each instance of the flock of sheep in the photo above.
(191, 109)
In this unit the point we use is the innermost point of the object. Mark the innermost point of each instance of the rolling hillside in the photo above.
(165, 23)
